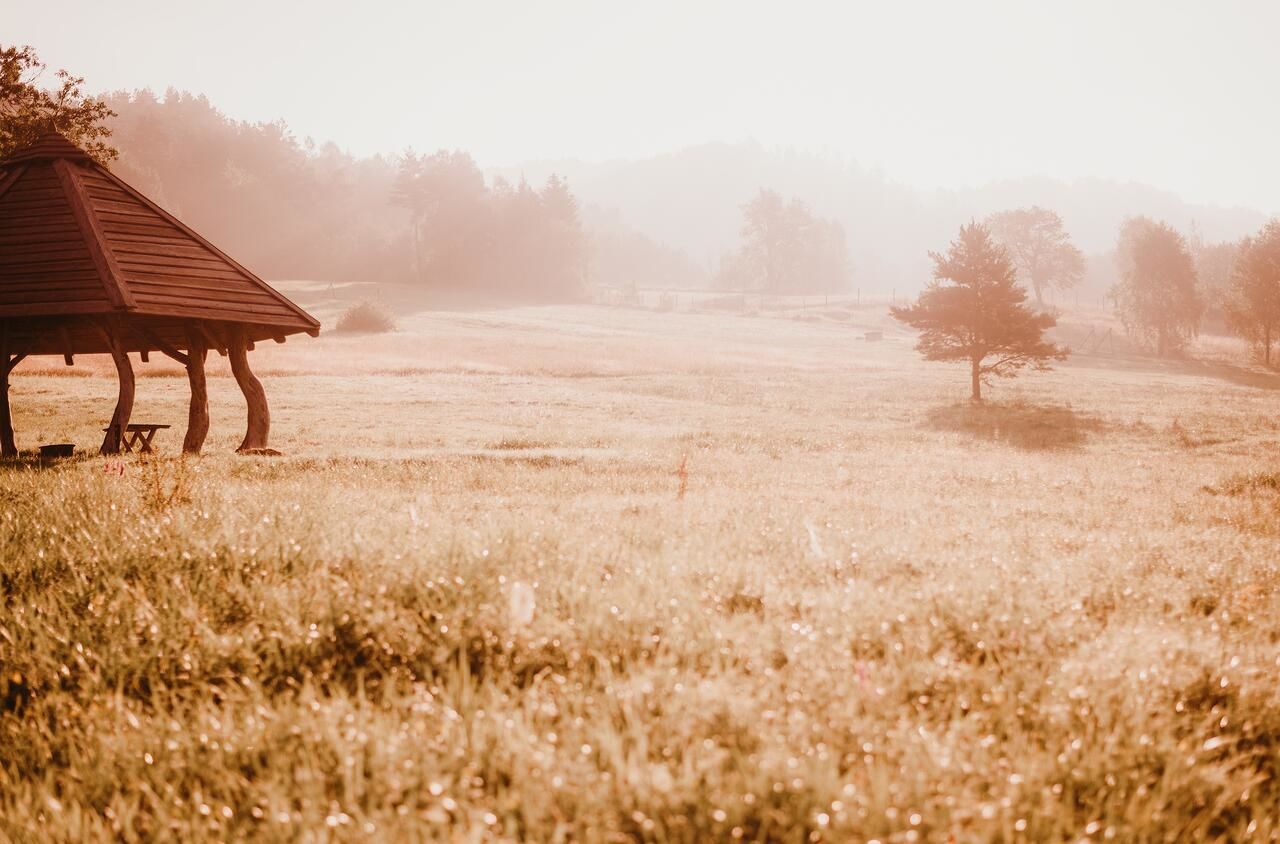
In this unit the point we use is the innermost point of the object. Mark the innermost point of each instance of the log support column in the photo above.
(124, 403)
(8, 446)
(198, 417)
(259, 424)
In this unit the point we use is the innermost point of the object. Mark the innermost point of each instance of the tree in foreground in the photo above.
(1040, 248)
(27, 110)
(974, 310)
(1253, 299)
(1156, 298)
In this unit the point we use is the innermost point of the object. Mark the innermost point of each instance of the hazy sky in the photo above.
(1179, 94)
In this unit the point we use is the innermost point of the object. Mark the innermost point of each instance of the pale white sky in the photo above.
(1179, 94)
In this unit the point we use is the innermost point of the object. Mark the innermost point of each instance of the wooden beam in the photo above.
(211, 337)
(280, 338)
(104, 260)
(165, 349)
(258, 428)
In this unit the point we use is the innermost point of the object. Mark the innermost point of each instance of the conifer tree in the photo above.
(974, 310)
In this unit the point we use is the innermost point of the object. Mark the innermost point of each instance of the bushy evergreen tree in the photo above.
(974, 310)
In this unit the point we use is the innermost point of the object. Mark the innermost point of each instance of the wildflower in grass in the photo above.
(522, 604)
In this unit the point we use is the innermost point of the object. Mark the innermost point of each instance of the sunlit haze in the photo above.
(1178, 95)
(669, 421)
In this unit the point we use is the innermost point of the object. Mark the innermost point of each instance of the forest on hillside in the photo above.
(297, 209)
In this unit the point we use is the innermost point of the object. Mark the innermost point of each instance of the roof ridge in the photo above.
(198, 238)
(104, 259)
(11, 178)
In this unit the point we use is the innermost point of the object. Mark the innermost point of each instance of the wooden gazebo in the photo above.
(88, 265)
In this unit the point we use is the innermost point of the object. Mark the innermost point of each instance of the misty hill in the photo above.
(689, 200)
(297, 209)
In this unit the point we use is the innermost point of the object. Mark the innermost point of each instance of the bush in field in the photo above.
(366, 318)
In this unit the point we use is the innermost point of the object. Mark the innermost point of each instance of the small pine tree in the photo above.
(974, 310)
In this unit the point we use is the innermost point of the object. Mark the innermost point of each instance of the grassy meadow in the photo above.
(604, 574)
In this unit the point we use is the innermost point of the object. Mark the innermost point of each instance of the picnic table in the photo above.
(138, 435)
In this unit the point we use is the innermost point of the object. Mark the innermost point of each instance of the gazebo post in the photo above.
(259, 424)
(8, 446)
(124, 403)
(198, 417)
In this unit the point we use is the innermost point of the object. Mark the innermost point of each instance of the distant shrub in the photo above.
(366, 318)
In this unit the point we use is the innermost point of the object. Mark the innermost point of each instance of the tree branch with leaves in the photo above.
(28, 110)
(1041, 250)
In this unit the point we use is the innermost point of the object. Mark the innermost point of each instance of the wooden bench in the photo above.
(138, 436)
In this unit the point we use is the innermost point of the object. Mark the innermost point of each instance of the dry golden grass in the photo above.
(481, 600)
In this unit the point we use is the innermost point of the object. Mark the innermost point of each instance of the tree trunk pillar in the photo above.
(8, 446)
(198, 416)
(111, 443)
(259, 423)
(976, 376)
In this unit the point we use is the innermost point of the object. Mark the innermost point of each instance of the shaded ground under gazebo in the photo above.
(88, 265)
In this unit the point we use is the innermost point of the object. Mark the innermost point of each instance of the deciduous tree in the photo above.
(28, 110)
(974, 310)
(1253, 299)
(786, 249)
(1040, 248)
(1156, 297)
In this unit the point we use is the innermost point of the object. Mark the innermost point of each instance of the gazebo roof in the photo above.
(78, 244)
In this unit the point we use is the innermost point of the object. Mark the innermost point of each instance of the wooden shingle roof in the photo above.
(77, 240)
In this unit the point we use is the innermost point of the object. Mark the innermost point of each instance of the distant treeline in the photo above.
(291, 209)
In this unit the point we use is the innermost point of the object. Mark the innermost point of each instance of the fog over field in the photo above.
(664, 422)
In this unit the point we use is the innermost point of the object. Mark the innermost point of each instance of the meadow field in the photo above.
(604, 574)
